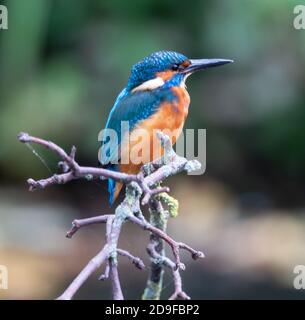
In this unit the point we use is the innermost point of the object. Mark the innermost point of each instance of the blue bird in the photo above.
(155, 98)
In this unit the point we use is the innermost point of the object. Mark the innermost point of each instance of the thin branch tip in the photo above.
(23, 137)
(198, 255)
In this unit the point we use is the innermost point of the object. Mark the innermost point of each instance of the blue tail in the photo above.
(111, 189)
(111, 185)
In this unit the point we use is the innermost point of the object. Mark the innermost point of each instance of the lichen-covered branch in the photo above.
(154, 284)
(141, 189)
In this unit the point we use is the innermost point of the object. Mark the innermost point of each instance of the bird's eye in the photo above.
(175, 67)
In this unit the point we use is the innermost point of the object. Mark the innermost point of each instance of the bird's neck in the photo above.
(177, 80)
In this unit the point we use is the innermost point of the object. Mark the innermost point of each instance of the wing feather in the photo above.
(132, 108)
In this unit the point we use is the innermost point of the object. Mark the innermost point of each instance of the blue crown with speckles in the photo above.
(147, 68)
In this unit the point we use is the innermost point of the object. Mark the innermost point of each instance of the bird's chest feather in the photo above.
(171, 113)
(143, 145)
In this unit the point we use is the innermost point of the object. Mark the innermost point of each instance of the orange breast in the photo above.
(143, 146)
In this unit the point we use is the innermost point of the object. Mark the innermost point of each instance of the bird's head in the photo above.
(166, 67)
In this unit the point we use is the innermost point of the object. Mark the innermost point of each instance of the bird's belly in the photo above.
(142, 145)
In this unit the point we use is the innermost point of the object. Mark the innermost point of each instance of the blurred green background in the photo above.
(62, 63)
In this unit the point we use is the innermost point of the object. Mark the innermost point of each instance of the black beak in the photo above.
(201, 64)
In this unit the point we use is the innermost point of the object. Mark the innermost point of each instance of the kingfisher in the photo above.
(155, 99)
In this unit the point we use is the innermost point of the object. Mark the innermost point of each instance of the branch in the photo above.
(160, 259)
(77, 224)
(173, 244)
(154, 284)
(93, 265)
(74, 171)
(105, 275)
(135, 260)
(146, 184)
(115, 281)
(108, 253)
(112, 236)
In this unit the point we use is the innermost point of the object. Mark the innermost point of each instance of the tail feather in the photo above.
(111, 190)
(114, 187)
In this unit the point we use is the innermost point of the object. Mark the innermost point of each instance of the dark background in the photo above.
(63, 62)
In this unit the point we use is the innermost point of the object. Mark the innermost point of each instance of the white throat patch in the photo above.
(149, 85)
(183, 85)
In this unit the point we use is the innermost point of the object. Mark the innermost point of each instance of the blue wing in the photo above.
(132, 108)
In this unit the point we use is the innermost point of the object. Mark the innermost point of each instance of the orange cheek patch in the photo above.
(165, 75)
(185, 63)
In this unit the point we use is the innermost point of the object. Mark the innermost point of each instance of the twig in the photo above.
(173, 244)
(178, 293)
(105, 274)
(135, 260)
(77, 224)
